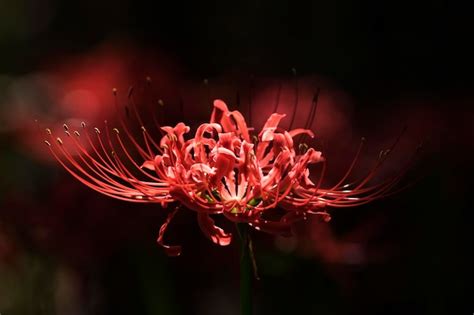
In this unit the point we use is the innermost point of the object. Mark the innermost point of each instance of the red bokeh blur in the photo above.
(71, 89)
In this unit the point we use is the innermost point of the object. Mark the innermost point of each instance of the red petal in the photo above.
(241, 124)
(170, 250)
(314, 156)
(179, 130)
(220, 115)
(298, 131)
(273, 121)
(219, 104)
(212, 232)
(149, 165)
(224, 163)
(269, 128)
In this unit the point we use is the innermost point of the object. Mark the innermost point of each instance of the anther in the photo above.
(206, 81)
(116, 130)
(47, 143)
(143, 128)
(59, 141)
(97, 130)
(48, 131)
(161, 103)
(383, 153)
(65, 127)
(148, 79)
(303, 147)
(67, 133)
(83, 124)
(114, 91)
(77, 133)
(363, 139)
(293, 70)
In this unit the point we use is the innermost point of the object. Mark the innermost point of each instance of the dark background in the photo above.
(66, 250)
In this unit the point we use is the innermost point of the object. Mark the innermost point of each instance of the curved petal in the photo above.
(299, 131)
(241, 124)
(224, 163)
(220, 115)
(212, 232)
(225, 151)
(167, 129)
(202, 168)
(273, 121)
(170, 250)
(314, 156)
(150, 165)
(206, 128)
(180, 129)
(219, 108)
(176, 133)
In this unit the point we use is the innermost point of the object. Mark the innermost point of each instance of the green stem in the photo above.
(246, 274)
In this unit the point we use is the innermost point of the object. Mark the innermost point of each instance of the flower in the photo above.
(262, 180)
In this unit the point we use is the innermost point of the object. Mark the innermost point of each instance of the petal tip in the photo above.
(220, 104)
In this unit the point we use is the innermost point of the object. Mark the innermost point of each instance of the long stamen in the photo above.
(312, 114)
(279, 178)
(92, 182)
(141, 187)
(152, 107)
(277, 99)
(315, 189)
(378, 191)
(150, 138)
(140, 150)
(382, 158)
(314, 107)
(114, 185)
(97, 168)
(351, 167)
(130, 158)
(157, 124)
(146, 136)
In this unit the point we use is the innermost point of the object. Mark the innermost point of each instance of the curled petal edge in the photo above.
(212, 232)
(170, 250)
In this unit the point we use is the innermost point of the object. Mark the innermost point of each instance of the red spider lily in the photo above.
(226, 168)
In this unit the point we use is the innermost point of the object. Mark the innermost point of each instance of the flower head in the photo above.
(225, 168)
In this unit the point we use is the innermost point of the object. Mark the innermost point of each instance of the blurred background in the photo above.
(66, 250)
